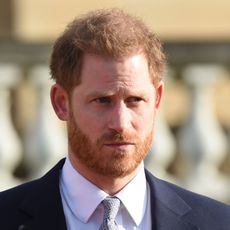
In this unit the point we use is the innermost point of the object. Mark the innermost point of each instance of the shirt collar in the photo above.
(134, 196)
(83, 197)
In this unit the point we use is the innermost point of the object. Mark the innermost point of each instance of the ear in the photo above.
(159, 94)
(60, 102)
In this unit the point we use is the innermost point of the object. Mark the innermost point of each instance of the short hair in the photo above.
(106, 32)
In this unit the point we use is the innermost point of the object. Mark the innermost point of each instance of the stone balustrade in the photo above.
(192, 135)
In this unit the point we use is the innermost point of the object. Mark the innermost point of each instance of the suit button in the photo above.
(22, 227)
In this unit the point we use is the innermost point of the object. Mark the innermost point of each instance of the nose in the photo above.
(120, 118)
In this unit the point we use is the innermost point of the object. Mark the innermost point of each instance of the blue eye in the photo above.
(103, 100)
(134, 99)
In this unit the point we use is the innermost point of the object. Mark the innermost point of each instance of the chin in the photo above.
(121, 165)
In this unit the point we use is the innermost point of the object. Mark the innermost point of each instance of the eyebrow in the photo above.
(95, 94)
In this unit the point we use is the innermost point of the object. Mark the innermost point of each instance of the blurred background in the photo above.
(192, 135)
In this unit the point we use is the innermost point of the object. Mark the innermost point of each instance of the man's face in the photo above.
(111, 114)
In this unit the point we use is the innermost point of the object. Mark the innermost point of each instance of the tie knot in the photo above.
(111, 205)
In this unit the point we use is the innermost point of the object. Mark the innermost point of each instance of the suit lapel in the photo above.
(169, 210)
(43, 206)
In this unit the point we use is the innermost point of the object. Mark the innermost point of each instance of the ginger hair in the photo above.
(109, 32)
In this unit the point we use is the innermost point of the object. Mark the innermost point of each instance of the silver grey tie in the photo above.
(111, 207)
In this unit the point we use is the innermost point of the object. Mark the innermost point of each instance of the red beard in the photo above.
(109, 162)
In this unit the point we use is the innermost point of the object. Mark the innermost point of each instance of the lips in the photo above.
(119, 145)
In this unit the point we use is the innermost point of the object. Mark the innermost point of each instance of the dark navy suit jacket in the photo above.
(37, 206)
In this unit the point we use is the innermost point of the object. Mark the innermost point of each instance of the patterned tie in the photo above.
(111, 206)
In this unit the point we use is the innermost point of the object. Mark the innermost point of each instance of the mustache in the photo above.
(114, 137)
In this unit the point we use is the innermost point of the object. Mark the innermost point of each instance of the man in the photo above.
(108, 69)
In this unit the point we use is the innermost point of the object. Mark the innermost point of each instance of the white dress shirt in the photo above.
(82, 202)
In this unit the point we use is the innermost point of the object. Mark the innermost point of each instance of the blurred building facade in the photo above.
(192, 136)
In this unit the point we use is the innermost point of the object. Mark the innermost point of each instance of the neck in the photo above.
(110, 185)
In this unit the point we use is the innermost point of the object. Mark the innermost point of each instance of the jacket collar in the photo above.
(168, 209)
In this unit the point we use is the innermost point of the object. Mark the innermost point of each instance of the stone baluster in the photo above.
(162, 151)
(201, 139)
(45, 140)
(10, 145)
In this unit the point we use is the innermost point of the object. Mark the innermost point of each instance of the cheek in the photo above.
(90, 125)
(146, 123)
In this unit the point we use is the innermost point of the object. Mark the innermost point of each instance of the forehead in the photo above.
(106, 76)
(99, 68)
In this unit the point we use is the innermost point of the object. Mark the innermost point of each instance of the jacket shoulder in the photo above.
(14, 195)
(19, 203)
(204, 211)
